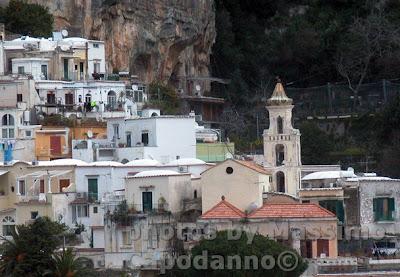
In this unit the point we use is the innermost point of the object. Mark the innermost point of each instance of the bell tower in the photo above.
(282, 151)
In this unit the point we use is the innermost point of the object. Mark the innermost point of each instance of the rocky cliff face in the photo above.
(155, 39)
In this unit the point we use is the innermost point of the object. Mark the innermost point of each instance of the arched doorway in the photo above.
(280, 181)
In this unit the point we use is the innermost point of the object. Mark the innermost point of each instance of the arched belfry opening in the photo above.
(280, 182)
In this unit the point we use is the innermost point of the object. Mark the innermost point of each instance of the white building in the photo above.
(100, 99)
(70, 58)
(162, 138)
(36, 67)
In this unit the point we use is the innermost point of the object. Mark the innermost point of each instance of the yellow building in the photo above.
(55, 142)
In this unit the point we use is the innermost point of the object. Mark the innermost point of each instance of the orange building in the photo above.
(54, 142)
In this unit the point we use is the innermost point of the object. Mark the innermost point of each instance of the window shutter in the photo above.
(391, 204)
(375, 204)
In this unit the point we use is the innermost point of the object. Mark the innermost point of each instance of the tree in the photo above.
(315, 144)
(30, 251)
(223, 247)
(65, 263)
(367, 40)
(164, 97)
(27, 19)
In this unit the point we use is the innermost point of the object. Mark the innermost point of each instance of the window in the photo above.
(96, 67)
(279, 124)
(126, 237)
(88, 98)
(116, 131)
(21, 70)
(28, 133)
(128, 139)
(138, 96)
(145, 138)
(8, 120)
(34, 214)
(66, 69)
(95, 45)
(8, 226)
(383, 209)
(41, 186)
(80, 98)
(280, 154)
(92, 189)
(280, 181)
(43, 69)
(82, 210)
(19, 97)
(51, 98)
(147, 200)
(112, 99)
(229, 170)
(21, 187)
(335, 206)
(95, 210)
(64, 183)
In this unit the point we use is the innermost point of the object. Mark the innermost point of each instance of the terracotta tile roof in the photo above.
(252, 165)
(298, 210)
(223, 210)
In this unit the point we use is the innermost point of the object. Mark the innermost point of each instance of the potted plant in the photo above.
(161, 204)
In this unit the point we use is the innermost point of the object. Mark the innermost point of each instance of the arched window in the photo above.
(125, 161)
(280, 181)
(280, 154)
(154, 114)
(8, 226)
(279, 124)
(8, 120)
(195, 194)
(112, 98)
(8, 126)
(88, 98)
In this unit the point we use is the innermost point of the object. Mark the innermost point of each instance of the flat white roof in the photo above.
(143, 162)
(155, 173)
(186, 161)
(321, 175)
(61, 162)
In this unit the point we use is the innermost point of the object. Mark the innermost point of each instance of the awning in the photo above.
(2, 172)
(50, 173)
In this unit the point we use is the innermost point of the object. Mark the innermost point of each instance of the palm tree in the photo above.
(66, 264)
(12, 255)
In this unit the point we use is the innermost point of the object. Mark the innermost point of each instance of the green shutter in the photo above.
(391, 208)
(340, 210)
(92, 190)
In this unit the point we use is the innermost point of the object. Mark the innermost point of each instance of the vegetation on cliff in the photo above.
(27, 19)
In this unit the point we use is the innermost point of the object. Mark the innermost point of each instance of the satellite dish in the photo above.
(198, 87)
(89, 134)
(64, 33)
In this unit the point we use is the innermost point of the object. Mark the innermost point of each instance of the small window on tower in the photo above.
(280, 125)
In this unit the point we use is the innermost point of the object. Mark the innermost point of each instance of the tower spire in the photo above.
(279, 96)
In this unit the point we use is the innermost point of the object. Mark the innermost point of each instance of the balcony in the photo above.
(316, 193)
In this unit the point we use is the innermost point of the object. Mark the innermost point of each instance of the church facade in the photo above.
(282, 150)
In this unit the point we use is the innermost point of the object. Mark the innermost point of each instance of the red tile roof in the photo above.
(252, 165)
(223, 210)
(298, 210)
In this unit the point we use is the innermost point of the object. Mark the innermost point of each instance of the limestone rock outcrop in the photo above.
(154, 39)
